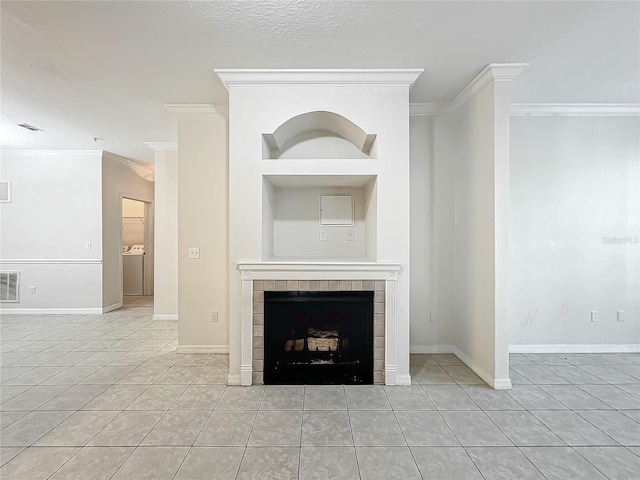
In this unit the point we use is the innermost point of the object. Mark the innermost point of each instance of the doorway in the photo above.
(136, 287)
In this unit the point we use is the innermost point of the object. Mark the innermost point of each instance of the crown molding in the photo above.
(575, 109)
(318, 77)
(51, 152)
(494, 72)
(144, 171)
(429, 109)
(162, 146)
(198, 110)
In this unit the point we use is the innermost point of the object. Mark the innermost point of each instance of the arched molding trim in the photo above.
(317, 124)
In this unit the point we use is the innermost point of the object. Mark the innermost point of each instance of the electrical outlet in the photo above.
(323, 235)
(32, 290)
(214, 316)
(194, 253)
(88, 246)
(594, 316)
(620, 315)
(432, 318)
(350, 235)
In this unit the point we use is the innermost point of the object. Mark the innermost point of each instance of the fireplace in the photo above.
(318, 280)
(318, 337)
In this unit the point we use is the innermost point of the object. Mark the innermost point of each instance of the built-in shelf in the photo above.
(323, 133)
(291, 217)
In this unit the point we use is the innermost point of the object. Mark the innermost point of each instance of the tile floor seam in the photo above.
(590, 463)
(464, 449)
(533, 464)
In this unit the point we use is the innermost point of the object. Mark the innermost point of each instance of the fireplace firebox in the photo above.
(318, 337)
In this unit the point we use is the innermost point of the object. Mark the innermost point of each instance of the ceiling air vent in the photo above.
(9, 286)
(30, 127)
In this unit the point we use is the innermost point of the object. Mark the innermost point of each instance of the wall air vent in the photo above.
(10, 287)
(30, 127)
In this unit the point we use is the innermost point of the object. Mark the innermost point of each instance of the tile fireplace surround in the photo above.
(276, 276)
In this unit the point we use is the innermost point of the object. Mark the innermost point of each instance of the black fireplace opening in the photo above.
(318, 338)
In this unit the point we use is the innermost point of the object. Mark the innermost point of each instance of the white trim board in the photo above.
(540, 109)
(575, 109)
(57, 261)
(198, 109)
(111, 308)
(588, 348)
(162, 146)
(497, 383)
(202, 349)
(431, 349)
(51, 311)
(165, 317)
(341, 77)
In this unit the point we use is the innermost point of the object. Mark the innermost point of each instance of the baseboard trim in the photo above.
(51, 311)
(202, 349)
(587, 348)
(502, 383)
(497, 383)
(111, 308)
(431, 349)
(403, 379)
(165, 317)
(233, 379)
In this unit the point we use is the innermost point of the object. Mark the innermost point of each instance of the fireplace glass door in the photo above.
(318, 338)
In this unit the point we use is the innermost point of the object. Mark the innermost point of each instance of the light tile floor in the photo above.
(99, 397)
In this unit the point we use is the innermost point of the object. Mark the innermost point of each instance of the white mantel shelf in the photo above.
(319, 270)
(327, 270)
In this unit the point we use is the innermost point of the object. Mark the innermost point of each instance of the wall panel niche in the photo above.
(292, 228)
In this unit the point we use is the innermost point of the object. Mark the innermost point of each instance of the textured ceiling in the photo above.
(88, 69)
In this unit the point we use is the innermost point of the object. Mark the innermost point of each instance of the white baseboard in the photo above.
(51, 311)
(202, 349)
(111, 308)
(497, 383)
(588, 348)
(431, 349)
(233, 379)
(165, 317)
(502, 383)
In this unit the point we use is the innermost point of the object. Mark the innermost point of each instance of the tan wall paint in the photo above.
(203, 224)
(165, 300)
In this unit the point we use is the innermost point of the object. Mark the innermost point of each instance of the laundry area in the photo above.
(133, 231)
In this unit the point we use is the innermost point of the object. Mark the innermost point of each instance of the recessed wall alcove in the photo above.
(319, 134)
(292, 226)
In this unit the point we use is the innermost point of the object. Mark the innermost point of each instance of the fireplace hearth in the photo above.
(318, 337)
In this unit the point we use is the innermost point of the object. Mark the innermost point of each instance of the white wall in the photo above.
(424, 332)
(296, 228)
(118, 180)
(574, 185)
(55, 210)
(203, 224)
(165, 299)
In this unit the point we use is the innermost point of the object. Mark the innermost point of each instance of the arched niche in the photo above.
(319, 134)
